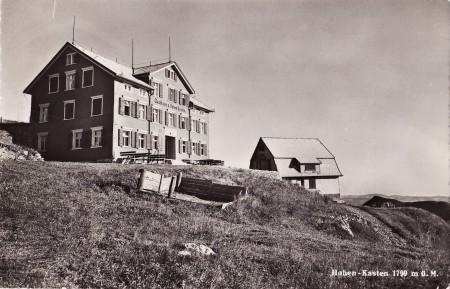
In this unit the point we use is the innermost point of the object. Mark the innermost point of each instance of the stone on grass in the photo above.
(201, 249)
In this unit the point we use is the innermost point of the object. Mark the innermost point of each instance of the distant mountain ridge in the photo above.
(441, 209)
(358, 200)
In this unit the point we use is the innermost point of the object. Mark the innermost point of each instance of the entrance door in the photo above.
(170, 147)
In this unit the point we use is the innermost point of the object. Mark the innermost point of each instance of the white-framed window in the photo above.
(141, 140)
(77, 136)
(202, 128)
(43, 112)
(143, 92)
(88, 77)
(126, 138)
(158, 89)
(183, 99)
(69, 109)
(97, 105)
(155, 142)
(195, 148)
(310, 167)
(126, 107)
(202, 149)
(183, 148)
(183, 122)
(96, 139)
(195, 125)
(141, 111)
(53, 83)
(171, 120)
(127, 87)
(42, 141)
(155, 115)
(172, 94)
(171, 74)
(70, 58)
(70, 80)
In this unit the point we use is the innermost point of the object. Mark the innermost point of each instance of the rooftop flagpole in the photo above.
(73, 30)
(170, 54)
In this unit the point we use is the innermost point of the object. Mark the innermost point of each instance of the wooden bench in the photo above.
(133, 157)
(206, 189)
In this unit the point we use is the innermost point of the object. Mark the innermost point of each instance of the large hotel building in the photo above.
(85, 107)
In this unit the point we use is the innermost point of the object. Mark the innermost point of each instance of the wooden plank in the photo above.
(150, 181)
(195, 181)
(204, 186)
(165, 184)
(206, 189)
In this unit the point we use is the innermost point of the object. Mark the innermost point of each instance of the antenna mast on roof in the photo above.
(73, 30)
(132, 55)
(170, 54)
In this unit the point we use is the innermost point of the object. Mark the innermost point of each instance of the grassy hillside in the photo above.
(84, 225)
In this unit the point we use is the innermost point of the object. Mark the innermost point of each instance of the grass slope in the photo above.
(84, 225)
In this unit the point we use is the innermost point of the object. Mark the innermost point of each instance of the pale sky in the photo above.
(368, 78)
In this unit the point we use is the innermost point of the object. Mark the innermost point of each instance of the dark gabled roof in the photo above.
(150, 69)
(115, 69)
(197, 103)
(305, 151)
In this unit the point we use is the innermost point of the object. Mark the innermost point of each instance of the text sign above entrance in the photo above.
(175, 106)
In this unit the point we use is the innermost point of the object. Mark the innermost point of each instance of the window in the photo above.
(183, 146)
(183, 99)
(43, 112)
(97, 105)
(126, 137)
(196, 126)
(158, 89)
(141, 140)
(70, 58)
(96, 140)
(195, 148)
(155, 115)
(312, 183)
(141, 111)
(155, 142)
(203, 149)
(88, 77)
(77, 135)
(127, 87)
(42, 141)
(70, 80)
(69, 109)
(127, 109)
(202, 127)
(182, 122)
(171, 119)
(53, 83)
(143, 92)
(171, 94)
(170, 74)
(310, 167)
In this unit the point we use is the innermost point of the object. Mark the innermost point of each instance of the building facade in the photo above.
(303, 161)
(85, 107)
